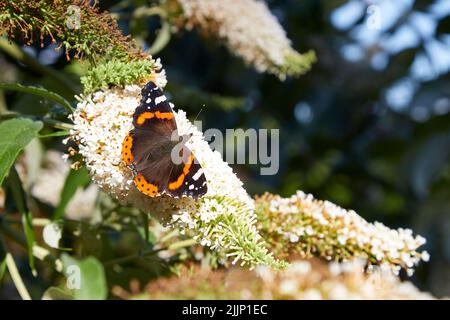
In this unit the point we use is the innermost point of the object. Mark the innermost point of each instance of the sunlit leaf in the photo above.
(55, 293)
(91, 284)
(15, 134)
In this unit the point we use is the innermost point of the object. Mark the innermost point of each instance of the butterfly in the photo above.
(159, 158)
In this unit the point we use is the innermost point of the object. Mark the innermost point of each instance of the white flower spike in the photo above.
(223, 219)
(250, 31)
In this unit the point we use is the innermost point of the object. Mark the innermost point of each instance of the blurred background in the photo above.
(368, 128)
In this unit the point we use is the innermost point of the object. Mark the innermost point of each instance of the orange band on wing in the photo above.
(127, 156)
(145, 187)
(150, 115)
(164, 115)
(144, 116)
(176, 184)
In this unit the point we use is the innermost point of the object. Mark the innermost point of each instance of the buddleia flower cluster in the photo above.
(309, 227)
(248, 29)
(302, 280)
(223, 219)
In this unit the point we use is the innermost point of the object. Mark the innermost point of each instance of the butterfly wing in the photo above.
(148, 150)
(151, 161)
(187, 178)
(147, 147)
(154, 111)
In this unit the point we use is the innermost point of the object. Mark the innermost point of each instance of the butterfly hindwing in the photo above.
(187, 178)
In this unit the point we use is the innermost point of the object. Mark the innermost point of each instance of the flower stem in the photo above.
(38, 251)
(173, 246)
(16, 278)
(54, 123)
(131, 257)
(182, 244)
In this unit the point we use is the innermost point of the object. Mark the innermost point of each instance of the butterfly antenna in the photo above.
(196, 119)
(198, 114)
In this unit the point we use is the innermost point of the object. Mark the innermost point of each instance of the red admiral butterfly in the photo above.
(147, 150)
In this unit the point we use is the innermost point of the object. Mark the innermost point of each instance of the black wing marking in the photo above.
(153, 108)
(187, 179)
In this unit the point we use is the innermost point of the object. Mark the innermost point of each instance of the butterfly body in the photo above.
(160, 160)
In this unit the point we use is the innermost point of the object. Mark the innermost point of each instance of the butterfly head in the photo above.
(149, 87)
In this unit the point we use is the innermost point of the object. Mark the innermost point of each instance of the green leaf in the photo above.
(55, 293)
(75, 179)
(92, 282)
(41, 92)
(15, 134)
(2, 259)
(18, 194)
(61, 133)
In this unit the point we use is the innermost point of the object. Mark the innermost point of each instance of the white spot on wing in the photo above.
(148, 100)
(160, 99)
(191, 187)
(197, 174)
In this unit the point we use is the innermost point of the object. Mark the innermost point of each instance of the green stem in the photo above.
(182, 244)
(3, 107)
(41, 222)
(169, 235)
(54, 123)
(38, 251)
(57, 124)
(131, 257)
(174, 246)
(16, 278)
(15, 52)
(37, 222)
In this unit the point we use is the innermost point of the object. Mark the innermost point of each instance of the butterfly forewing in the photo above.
(154, 112)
